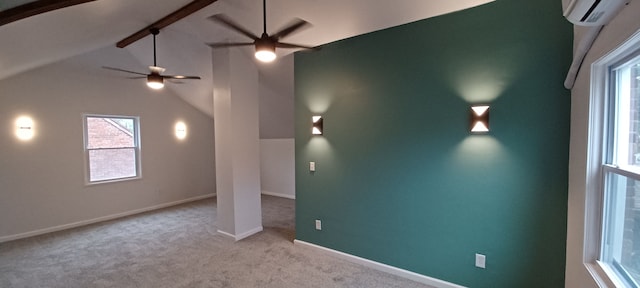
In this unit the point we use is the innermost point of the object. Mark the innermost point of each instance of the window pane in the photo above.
(110, 132)
(627, 119)
(110, 164)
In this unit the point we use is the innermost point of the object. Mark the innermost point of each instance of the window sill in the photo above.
(600, 272)
(112, 181)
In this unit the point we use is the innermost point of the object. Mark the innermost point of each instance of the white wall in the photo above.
(616, 32)
(276, 98)
(42, 181)
(277, 151)
(277, 167)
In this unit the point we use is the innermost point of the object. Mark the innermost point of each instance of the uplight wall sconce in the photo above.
(479, 119)
(24, 128)
(181, 130)
(316, 128)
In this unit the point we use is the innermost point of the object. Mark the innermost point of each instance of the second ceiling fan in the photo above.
(155, 79)
(266, 44)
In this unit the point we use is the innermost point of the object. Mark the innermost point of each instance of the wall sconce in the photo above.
(181, 130)
(479, 119)
(24, 128)
(316, 128)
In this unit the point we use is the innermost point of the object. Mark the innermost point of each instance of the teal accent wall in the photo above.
(400, 179)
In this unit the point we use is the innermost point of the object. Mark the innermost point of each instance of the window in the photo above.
(620, 171)
(112, 147)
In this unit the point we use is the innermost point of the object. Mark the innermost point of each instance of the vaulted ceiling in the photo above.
(64, 33)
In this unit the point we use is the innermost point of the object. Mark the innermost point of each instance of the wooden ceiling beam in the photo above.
(166, 21)
(35, 8)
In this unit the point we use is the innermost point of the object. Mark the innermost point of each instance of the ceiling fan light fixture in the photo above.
(265, 51)
(265, 55)
(155, 81)
(266, 44)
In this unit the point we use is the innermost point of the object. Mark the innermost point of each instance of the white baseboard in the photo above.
(278, 194)
(227, 234)
(382, 267)
(243, 235)
(101, 219)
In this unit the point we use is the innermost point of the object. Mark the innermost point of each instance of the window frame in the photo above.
(137, 149)
(598, 143)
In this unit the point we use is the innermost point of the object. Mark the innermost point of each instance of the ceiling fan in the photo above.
(155, 80)
(266, 44)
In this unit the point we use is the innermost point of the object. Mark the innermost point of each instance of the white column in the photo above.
(237, 143)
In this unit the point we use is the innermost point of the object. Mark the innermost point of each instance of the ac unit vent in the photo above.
(593, 13)
(594, 17)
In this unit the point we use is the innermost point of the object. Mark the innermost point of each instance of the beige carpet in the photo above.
(179, 247)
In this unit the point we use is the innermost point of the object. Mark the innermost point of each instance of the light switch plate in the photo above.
(481, 261)
(312, 166)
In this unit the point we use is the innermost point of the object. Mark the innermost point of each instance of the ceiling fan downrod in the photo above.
(154, 31)
(264, 16)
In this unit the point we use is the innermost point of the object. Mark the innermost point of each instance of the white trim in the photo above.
(248, 233)
(278, 194)
(101, 219)
(593, 184)
(243, 235)
(382, 267)
(227, 234)
(600, 273)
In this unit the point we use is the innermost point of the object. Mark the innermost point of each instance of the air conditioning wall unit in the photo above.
(593, 12)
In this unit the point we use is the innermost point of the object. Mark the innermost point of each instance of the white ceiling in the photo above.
(64, 33)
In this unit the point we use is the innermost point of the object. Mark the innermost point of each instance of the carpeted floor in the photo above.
(179, 247)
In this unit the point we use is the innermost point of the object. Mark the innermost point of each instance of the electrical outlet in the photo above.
(312, 166)
(481, 261)
(318, 225)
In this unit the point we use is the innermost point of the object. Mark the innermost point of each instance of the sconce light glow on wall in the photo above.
(479, 119)
(316, 128)
(181, 130)
(24, 128)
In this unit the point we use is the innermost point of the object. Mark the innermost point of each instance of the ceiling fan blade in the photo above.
(181, 77)
(222, 19)
(122, 70)
(218, 45)
(289, 45)
(296, 24)
(137, 77)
